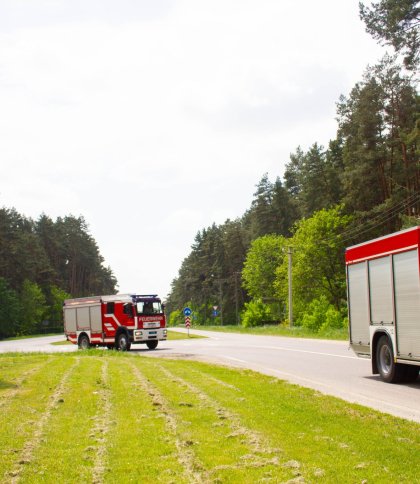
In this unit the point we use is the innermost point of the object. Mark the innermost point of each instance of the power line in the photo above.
(374, 222)
(381, 218)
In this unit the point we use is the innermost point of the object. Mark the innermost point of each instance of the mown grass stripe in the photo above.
(18, 419)
(219, 382)
(227, 396)
(68, 447)
(225, 451)
(21, 374)
(102, 425)
(140, 427)
(334, 441)
(13, 368)
(186, 455)
(254, 440)
(31, 445)
(324, 439)
(260, 455)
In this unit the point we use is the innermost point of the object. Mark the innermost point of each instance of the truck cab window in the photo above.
(110, 308)
(149, 307)
(128, 309)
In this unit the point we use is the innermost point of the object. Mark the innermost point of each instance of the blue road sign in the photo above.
(187, 311)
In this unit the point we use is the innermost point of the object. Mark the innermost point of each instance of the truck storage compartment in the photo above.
(358, 307)
(407, 303)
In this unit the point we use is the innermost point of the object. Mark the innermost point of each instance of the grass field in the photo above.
(172, 335)
(100, 416)
(277, 330)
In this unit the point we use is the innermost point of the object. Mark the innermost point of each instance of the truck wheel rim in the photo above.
(385, 359)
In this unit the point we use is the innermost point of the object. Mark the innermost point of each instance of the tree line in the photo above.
(366, 183)
(42, 263)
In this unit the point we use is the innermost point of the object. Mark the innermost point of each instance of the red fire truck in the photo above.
(383, 288)
(115, 321)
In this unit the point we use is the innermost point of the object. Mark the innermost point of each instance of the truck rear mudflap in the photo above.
(361, 350)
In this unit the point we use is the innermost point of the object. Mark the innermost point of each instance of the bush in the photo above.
(256, 313)
(176, 318)
(333, 319)
(321, 316)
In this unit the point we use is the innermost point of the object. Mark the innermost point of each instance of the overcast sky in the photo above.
(155, 118)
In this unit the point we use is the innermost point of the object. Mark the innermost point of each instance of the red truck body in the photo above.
(383, 289)
(115, 321)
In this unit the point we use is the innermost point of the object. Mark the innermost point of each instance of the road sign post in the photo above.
(188, 324)
(187, 314)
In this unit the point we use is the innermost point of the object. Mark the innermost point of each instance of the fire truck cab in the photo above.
(115, 321)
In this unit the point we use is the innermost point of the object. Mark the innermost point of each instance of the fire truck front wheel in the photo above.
(122, 342)
(152, 344)
(84, 342)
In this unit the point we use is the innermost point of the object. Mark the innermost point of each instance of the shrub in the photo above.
(256, 313)
(333, 319)
(321, 316)
(176, 318)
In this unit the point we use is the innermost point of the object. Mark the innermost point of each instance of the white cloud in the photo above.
(167, 111)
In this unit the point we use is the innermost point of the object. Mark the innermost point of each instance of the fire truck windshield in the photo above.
(149, 307)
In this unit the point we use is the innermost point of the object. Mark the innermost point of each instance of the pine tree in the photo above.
(395, 23)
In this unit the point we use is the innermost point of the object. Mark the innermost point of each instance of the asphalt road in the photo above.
(327, 366)
(33, 345)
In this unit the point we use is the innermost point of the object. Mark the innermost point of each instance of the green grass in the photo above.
(175, 335)
(109, 417)
(294, 332)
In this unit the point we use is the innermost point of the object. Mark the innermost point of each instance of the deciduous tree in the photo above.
(318, 261)
(265, 255)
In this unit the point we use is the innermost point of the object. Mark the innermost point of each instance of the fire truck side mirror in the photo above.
(163, 307)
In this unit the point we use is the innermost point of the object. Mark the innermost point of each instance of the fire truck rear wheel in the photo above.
(123, 342)
(390, 371)
(84, 342)
(152, 345)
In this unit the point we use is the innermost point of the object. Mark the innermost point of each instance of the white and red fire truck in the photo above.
(383, 288)
(115, 321)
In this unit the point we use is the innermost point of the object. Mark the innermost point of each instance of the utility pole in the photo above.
(221, 302)
(236, 297)
(289, 254)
